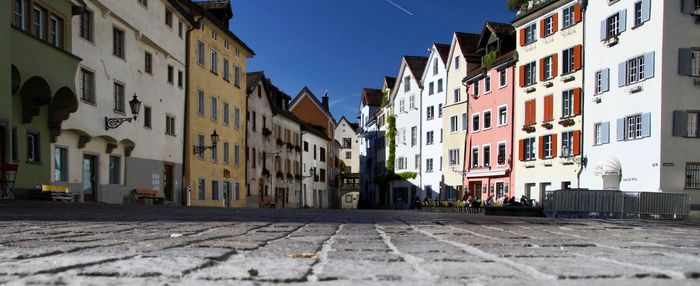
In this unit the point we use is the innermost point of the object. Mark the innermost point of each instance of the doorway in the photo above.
(475, 189)
(89, 178)
(168, 181)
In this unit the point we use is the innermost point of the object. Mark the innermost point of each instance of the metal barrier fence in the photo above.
(581, 203)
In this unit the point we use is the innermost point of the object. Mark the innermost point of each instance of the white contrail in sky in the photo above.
(397, 6)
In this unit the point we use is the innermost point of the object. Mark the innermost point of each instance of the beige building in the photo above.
(346, 135)
(461, 59)
(547, 141)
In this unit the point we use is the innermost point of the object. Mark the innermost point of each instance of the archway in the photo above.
(35, 93)
(62, 105)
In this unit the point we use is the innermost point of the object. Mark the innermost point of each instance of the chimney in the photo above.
(324, 101)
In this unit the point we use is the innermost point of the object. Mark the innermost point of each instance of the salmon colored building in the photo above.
(488, 164)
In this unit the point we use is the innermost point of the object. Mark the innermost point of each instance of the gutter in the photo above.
(186, 160)
(582, 165)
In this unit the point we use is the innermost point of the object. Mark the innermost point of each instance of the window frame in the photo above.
(114, 174)
(170, 125)
(60, 166)
(118, 43)
(453, 153)
(503, 78)
(567, 103)
(502, 112)
(568, 17)
(531, 34)
(119, 97)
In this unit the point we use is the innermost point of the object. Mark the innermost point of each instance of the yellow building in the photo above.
(216, 104)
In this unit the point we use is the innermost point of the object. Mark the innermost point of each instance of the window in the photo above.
(530, 34)
(200, 143)
(439, 85)
(567, 142)
(214, 62)
(695, 63)
(214, 115)
(412, 102)
(453, 156)
(236, 118)
(530, 73)
(475, 87)
(638, 13)
(401, 106)
(214, 152)
(430, 113)
(169, 125)
(693, 124)
(87, 86)
(429, 138)
(598, 133)
(322, 154)
(200, 52)
(692, 175)
(254, 161)
(56, 31)
(568, 59)
(529, 149)
(33, 148)
(237, 191)
(453, 124)
(487, 119)
(633, 127)
(501, 156)
(236, 155)
(322, 175)
(548, 27)
(602, 81)
(407, 84)
(502, 115)
(179, 78)
(416, 161)
(465, 123)
(435, 66)
(226, 152)
(144, 3)
(147, 116)
(226, 114)
(19, 13)
(567, 103)
(306, 146)
(179, 29)
(214, 190)
(114, 168)
(431, 88)
(200, 102)
(440, 110)
(60, 166)
(475, 157)
(414, 136)
(15, 145)
(201, 189)
(457, 95)
(148, 63)
(612, 25)
(168, 18)
(171, 74)
(475, 123)
(86, 25)
(487, 156)
(214, 35)
(457, 62)
(255, 120)
(635, 70)
(38, 22)
(347, 143)
(237, 76)
(548, 68)
(487, 83)
(226, 70)
(569, 18)
(118, 97)
(547, 148)
(348, 155)
(117, 42)
(429, 165)
(502, 78)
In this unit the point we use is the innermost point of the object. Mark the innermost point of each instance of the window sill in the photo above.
(32, 163)
(88, 102)
(170, 134)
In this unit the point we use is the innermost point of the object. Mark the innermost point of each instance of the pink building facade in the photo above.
(488, 165)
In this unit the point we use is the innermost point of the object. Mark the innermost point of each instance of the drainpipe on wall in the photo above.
(187, 188)
(582, 165)
(464, 154)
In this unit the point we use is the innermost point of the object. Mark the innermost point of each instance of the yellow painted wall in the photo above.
(213, 85)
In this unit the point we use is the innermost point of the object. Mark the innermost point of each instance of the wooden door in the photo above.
(168, 181)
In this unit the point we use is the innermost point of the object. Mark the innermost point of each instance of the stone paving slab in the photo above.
(93, 244)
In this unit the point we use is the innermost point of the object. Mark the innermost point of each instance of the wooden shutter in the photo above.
(522, 37)
(577, 143)
(554, 145)
(542, 69)
(577, 101)
(578, 51)
(521, 148)
(530, 116)
(577, 13)
(680, 123)
(540, 148)
(555, 23)
(555, 65)
(522, 76)
(548, 108)
(542, 28)
(684, 62)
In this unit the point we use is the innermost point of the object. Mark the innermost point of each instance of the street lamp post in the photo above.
(200, 149)
(134, 105)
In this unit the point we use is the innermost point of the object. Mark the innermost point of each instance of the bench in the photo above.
(59, 193)
(148, 194)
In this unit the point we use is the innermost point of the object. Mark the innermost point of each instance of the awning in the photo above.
(608, 166)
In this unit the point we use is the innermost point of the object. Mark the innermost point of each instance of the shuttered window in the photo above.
(602, 133)
(634, 127)
(602, 81)
(642, 12)
(636, 69)
(530, 112)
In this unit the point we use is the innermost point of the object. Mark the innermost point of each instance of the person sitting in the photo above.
(525, 201)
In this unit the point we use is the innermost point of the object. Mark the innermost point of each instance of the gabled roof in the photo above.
(501, 30)
(252, 78)
(389, 82)
(307, 92)
(197, 8)
(443, 51)
(416, 65)
(352, 126)
(468, 42)
(372, 96)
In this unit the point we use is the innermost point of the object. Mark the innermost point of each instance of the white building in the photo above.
(432, 101)
(405, 99)
(370, 139)
(346, 134)
(642, 98)
(259, 139)
(128, 48)
(315, 192)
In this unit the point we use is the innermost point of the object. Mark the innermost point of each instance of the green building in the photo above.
(37, 92)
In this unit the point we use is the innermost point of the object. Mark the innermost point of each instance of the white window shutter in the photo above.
(623, 20)
(646, 10)
(649, 65)
(680, 123)
(684, 64)
(620, 129)
(605, 74)
(622, 74)
(646, 124)
(605, 129)
(603, 30)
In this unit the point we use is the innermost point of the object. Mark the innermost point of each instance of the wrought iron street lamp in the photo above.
(214, 140)
(134, 105)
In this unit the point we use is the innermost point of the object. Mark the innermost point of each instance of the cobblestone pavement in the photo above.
(53, 243)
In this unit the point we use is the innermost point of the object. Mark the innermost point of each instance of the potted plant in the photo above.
(290, 146)
(280, 142)
(297, 148)
(266, 172)
(290, 177)
(280, 175)
(266, 133)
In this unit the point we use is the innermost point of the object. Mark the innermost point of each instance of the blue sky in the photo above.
(345, 45)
